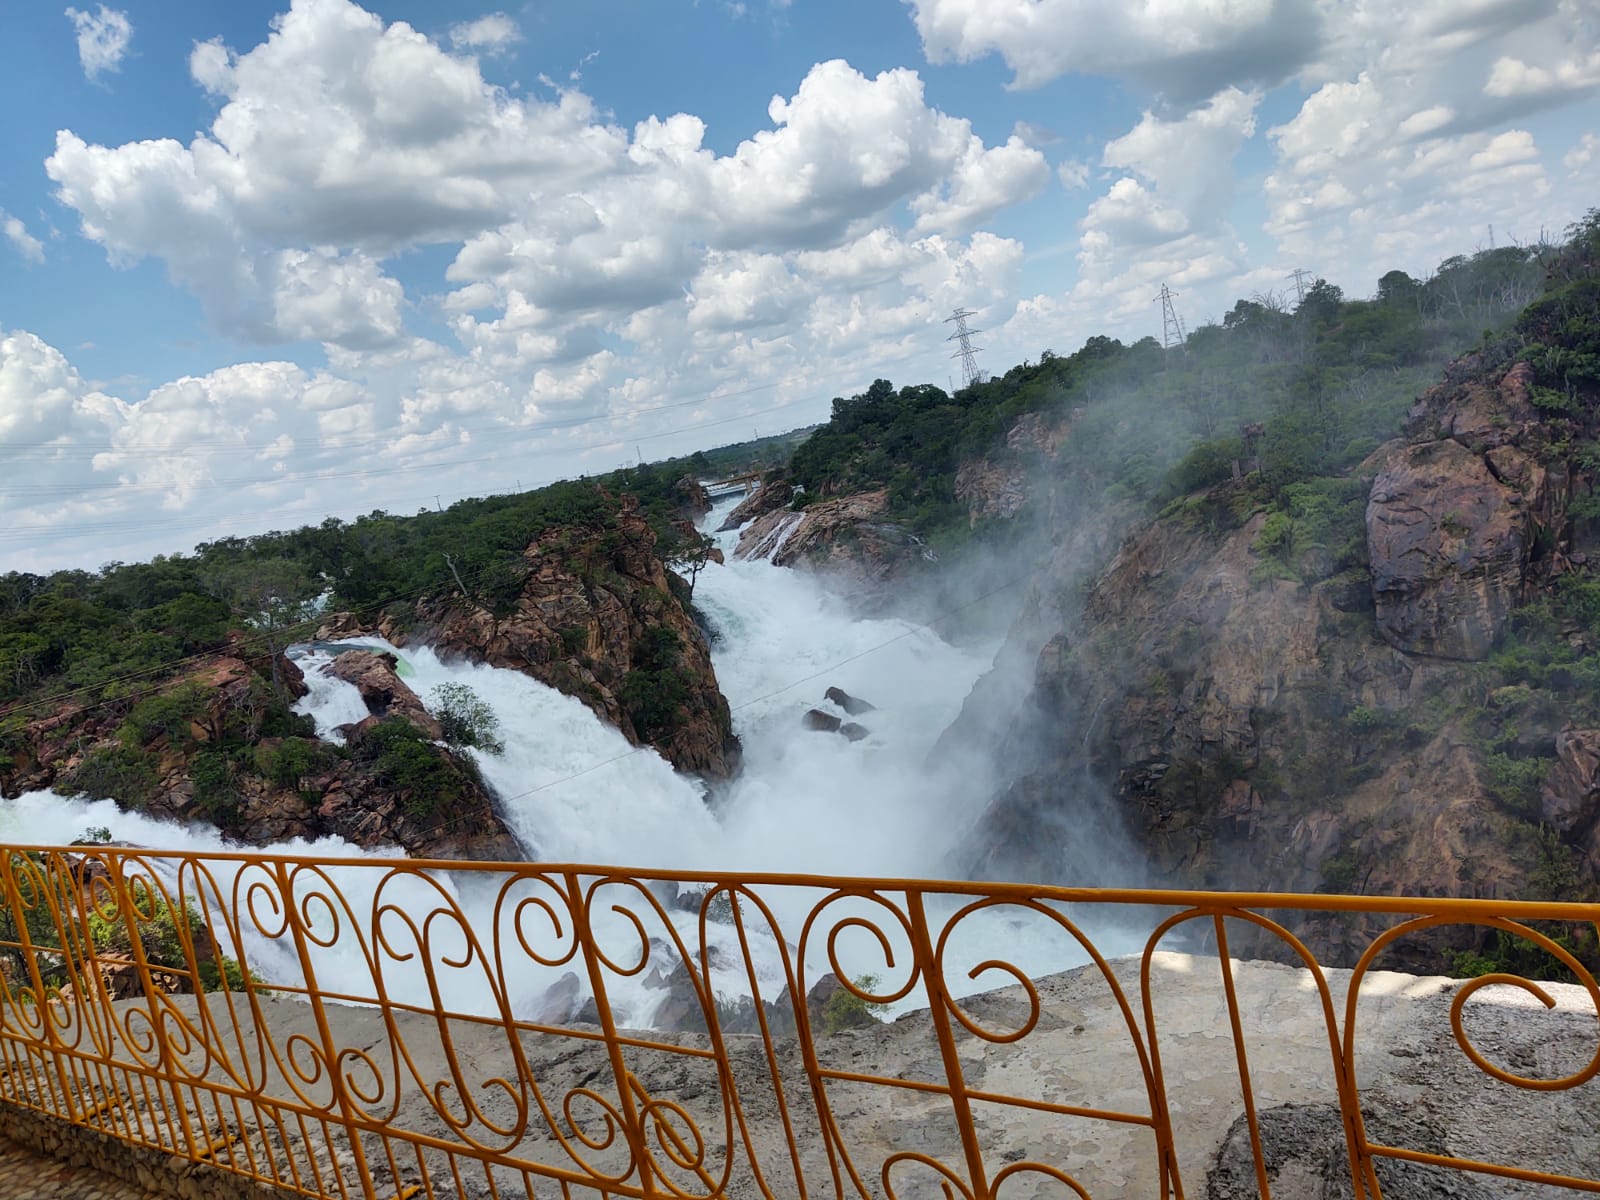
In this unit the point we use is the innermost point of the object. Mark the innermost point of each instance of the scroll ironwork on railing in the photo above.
(375, 1028)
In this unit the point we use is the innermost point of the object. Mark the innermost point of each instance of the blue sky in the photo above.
(263, 262)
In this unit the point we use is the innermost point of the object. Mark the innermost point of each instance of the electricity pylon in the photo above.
(968, 354)
(1172, 330)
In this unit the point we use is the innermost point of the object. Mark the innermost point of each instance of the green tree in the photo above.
(466, 719)
(272, 595)
(172, 935)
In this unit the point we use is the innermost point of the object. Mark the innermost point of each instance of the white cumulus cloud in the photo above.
(25, 244)
(103, 38)
(492, 32)
(1186, 51)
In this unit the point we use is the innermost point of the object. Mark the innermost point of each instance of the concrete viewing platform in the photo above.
(1419, 1091)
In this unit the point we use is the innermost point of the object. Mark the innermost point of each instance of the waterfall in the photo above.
(572, 789)
(774, 540)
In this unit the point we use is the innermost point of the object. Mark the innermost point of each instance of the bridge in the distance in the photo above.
(734, 485)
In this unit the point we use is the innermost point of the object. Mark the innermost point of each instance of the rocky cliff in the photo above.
(1003, 483)
(598, 616)
(591, 609)
(1388, 692)
(210, 745)
(776, 492)
(849, 538)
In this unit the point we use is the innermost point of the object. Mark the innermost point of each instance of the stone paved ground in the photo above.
(25, 1175)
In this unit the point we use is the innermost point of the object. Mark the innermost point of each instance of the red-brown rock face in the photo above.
(386, 694)
(1000, 485)
(597, 607)
(1453, 519)
(1311, 733)
(849, 537)
(776, 492)
(1570, 800)
(271, 788)
(1448, 542)
(696, 502)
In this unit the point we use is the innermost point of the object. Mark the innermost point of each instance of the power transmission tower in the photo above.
(1299, 275)
(968, 354)
(1172, 330)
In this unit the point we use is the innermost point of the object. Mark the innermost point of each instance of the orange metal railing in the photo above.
(372, 1028)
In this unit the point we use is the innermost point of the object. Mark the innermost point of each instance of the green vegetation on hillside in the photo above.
(116, 632)
(1304, 392)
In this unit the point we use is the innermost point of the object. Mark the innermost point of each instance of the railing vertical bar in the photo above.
(167, 1074)
(31, 957)
(245, 1127)
(311, 1158)
(394, 1167)
(939, 1000)
(1241, 1056)
(795, 1002)
(633, 1130)
(269, 1121)
(488, 1175)
(319, 1011)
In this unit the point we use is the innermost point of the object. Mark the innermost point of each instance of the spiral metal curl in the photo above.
(1585, 978)
(1038, 1168)
(913, 968)
(952, 1184)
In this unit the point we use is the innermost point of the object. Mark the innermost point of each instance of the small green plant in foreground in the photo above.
(846, 1010)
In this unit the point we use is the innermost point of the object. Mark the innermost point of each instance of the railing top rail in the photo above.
(1459, 907)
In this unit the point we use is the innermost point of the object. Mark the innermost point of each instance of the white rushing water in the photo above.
(573, 790)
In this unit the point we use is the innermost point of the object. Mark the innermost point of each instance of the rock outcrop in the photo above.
(598, 616)
(280, 786)
(1570, 795)
(853, 705)
(1456, 517)
(1000, 485)
(1231, 727)
(776, 492)
(850, 538)
(386, 695)
(694, 500)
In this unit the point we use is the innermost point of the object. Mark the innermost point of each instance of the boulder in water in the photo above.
(375, 675)
(820, 721)
(853, 705)
(559, 1002)
(853, 732)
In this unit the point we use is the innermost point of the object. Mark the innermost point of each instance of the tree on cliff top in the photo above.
(270, 595)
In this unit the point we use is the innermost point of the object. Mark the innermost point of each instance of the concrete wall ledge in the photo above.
(141, 1166)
